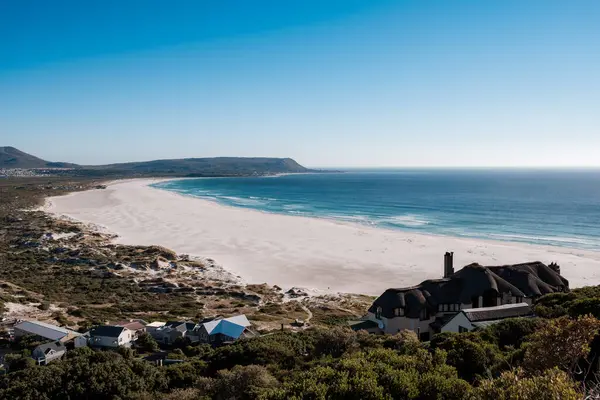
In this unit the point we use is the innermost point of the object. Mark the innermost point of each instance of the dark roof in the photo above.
(358, 325)
(499, 312)
(181, 325)
(190, 326)
(107, 331)
(174, 324)
(56, 346)
(534, 279)
(520, 280)
(441, 321)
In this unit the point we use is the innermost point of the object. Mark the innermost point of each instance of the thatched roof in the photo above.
(520, 280)
(534, 278)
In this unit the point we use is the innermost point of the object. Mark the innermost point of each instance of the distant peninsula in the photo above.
(12, 159)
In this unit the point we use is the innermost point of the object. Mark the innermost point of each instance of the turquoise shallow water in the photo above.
(558, 208)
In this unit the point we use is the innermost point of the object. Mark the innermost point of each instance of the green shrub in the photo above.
(514, 385)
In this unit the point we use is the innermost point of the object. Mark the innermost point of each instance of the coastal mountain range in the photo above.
(11, 157)
(15, 158)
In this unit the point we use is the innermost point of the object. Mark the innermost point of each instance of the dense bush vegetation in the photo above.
(516, 359)
(552, 357)
(580, 301)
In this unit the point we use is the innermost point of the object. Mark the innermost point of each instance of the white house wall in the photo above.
(397, 324)
(124, 339)
(459, 320)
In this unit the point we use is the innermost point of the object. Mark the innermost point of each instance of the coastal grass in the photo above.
(84, 276)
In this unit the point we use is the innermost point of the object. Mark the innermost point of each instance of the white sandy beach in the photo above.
(297, 251)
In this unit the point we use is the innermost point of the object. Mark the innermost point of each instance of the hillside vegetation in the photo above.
(524, 359)
(14, 158)
(219, 166)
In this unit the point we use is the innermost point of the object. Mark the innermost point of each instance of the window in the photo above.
(462, 329)
(378, 313)
(399, 312)
(475, 302)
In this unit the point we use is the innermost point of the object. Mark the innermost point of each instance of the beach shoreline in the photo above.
(296, 251)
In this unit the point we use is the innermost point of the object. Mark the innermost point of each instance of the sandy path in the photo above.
(298, 251)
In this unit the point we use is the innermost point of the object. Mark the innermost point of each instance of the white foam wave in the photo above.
(409, 220)
(245, 202)
(582, 241)
(293, 206)
(262, 198)
(353, 218)
(294, 212)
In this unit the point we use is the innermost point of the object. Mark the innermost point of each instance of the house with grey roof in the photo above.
(171, 330)
(426, 307)
(472, 318)
(43, 330)
(109, 336)
(47, 352)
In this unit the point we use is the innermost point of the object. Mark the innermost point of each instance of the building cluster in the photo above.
(125, 333)
(28, 172)
(472, 297)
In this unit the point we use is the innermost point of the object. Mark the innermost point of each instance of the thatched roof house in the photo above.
(528, 280)
(474, 286)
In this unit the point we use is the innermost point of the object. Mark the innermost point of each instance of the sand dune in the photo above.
(297, 251)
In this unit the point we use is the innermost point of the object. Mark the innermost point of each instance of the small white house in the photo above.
(471, 318)
(111, 336)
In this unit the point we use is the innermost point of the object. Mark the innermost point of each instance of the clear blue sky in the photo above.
(327, 82)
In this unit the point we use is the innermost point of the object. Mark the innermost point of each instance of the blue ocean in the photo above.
(558, 207)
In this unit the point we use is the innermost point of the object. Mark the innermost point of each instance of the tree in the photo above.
(334, 342)
(515, 385)
(176, 354)
(512, 332)
(407, 342)
(243, 382)
(18, 362)
(147, 343)
(587, 306)
(561, 343)
(469, 353)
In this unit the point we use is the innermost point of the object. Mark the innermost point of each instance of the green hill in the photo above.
(14, 158)
(222, 166)
(209, 166)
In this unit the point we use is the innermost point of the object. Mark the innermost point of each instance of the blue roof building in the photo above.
(225, 330)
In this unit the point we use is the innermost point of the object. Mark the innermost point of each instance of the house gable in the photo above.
(458, 323)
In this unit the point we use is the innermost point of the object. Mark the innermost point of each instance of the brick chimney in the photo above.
(448, 264)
